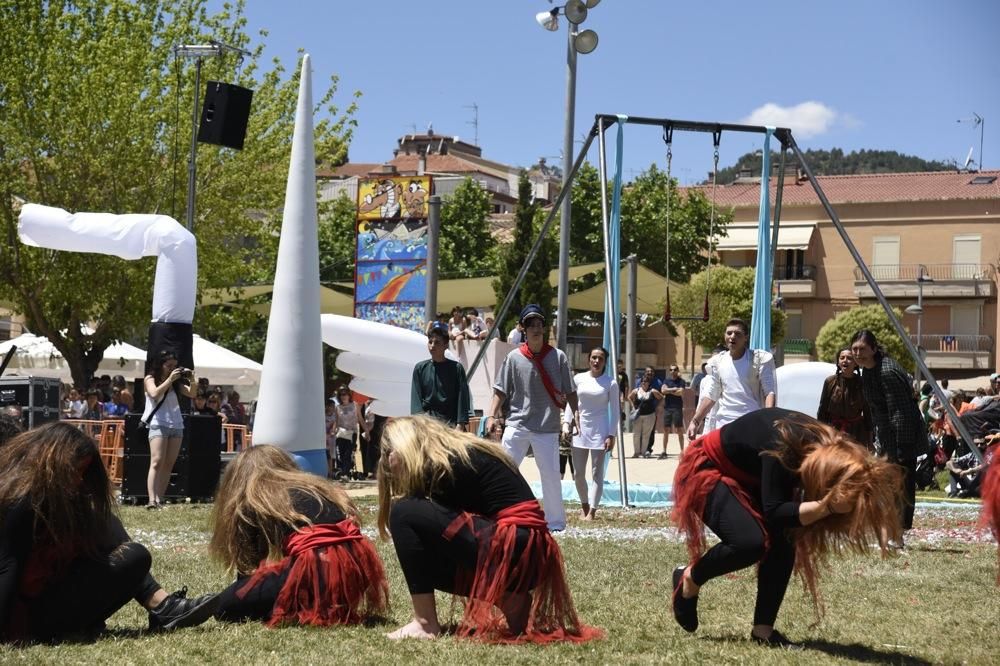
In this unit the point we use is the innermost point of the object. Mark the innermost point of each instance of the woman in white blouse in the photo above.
(599, 413)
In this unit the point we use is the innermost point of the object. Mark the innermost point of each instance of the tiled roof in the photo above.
(348, 170)
(436, 164)
(864, 188)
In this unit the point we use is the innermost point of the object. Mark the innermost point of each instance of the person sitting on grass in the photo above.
(464, 521)
(66, 562)
(293, 540)
(783, 490)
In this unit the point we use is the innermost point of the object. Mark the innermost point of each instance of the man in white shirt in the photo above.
(739, 381)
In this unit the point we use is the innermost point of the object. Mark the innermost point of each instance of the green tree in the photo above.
(535, 288)
(730, 294)
(837, 333)
(466, 245)
(644, 222)
(89, 99)
(337, 239)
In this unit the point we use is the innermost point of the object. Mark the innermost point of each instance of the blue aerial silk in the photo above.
(760, 323)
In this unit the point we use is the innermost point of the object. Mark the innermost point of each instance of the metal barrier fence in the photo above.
(109, 435)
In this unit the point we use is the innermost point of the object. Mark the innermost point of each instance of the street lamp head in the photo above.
(585, 41)
(575, 12)
(548, 20)
(914, 310)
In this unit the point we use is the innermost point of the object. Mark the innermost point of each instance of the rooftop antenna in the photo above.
(474, 122)
(976, 120)
(968, 158)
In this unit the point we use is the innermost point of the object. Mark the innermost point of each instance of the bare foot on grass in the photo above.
(414, 630)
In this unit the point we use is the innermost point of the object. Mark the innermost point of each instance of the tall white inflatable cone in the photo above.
(290, 408)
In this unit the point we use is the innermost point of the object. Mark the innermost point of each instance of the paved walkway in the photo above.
(652, 471)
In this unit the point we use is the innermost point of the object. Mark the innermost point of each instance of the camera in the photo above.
(187, 372)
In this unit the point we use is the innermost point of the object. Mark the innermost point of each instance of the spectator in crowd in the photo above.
(982, 398)
(489, 326)
(739, 380)
(656, 383)
(456, 325)
(68, 563)
(673, 407)
(10, 427)
(163, 382)
(74, 404)
(439, 387)
(93, 409)
(623, 388)
(696, 380)
(517, 335)
(966, 471)
(103, 385)
(842, 401)
(331, 438)
(597, 394)
(295, 543)
(118, 381)
(349, 422)
(900, 433)
(537, 381)
(644, 400)
(239, 410)
(476, 328)
(115, 408)
(199, 404)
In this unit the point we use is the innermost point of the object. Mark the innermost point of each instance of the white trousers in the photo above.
(545, 446)
(593, 498)
(643, 425)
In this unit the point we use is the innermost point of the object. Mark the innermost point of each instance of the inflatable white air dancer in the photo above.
(290, 409)
(131, 237)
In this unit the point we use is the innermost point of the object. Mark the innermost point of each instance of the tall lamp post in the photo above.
(918, 309)
(579, 41)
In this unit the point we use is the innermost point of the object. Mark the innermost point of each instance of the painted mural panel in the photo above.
(391, 269)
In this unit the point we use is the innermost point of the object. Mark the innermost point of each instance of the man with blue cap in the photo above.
(537, 381)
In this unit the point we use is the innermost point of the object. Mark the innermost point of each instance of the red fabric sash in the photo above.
(334, 577)
(537, 574)
(703, 465)
(550, 388)
(990, 513)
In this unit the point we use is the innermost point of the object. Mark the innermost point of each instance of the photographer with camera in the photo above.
(162, 415)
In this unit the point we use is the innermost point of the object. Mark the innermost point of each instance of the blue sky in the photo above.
(850, 74)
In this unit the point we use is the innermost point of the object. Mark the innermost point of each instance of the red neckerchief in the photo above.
(558, 398)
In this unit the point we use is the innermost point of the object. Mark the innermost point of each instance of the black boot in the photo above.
(178, 611)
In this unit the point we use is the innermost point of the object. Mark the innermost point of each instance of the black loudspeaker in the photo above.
(224, 115)
(196, 472)
(38, 398)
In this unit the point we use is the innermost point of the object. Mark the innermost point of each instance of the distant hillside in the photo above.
(835, 163)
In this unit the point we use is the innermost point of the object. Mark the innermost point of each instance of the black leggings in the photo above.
(909, 491)
(345, 455)
(429, 561)
(742, 545)
(257, 604)
(89, 592)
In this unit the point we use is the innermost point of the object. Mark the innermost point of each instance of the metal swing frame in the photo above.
(784, 135)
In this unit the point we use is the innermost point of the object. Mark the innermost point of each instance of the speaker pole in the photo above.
(192, 158)
(198, 52)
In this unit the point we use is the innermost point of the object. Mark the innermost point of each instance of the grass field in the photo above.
(937, 603)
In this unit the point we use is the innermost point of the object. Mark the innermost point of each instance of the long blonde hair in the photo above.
(829, 462)
(418, 453)
(253, 507)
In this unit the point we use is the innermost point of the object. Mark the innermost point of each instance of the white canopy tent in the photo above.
(37, 356)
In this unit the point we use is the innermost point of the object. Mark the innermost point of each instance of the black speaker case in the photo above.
(38, 398)
(195, 475)
(224, 114)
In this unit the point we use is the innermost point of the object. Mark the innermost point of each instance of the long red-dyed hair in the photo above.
(990, 515)
(829, 462)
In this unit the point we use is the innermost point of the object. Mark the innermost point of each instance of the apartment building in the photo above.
(931, 239)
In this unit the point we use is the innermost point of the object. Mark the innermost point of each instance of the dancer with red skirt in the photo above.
(464, 521)
(294, 541)
(783, 490)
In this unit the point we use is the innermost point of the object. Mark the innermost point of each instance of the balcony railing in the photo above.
(786, 272)
(954, 343)
(941, 272)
